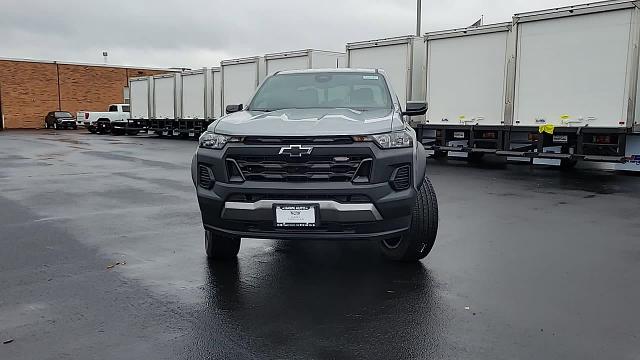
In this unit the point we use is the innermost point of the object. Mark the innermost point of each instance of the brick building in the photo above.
(29, 89)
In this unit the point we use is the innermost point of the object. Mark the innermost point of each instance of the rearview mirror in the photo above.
(415, 108)
(233, 108)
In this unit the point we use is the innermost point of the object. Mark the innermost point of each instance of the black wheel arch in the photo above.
(419, 164)
(194, 169)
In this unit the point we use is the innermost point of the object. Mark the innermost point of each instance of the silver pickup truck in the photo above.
(317, 154)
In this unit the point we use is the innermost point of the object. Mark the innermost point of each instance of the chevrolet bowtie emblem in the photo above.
(295, 150)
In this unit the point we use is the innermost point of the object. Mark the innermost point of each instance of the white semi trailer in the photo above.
(402, 59)
(467, 79)
(139, 97)
(195, 102)
(576, 71)
(304, 59)
(566, 78)
(240, 79)
(166, 104)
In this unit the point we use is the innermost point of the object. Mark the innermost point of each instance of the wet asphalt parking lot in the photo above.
(101, 257)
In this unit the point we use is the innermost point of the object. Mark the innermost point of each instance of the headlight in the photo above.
(393, 140)
(211, 140)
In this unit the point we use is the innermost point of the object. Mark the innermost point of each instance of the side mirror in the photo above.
(233, 108)
(415, 108)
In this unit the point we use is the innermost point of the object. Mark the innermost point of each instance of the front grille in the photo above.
(205, 179)
(344, 199)
(327, 168)
(324, 140)
(401, 178)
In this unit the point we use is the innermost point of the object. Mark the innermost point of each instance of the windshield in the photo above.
(359, 91)
(63, 114)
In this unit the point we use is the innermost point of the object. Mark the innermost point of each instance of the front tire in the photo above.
(221, 247)
(418, 241)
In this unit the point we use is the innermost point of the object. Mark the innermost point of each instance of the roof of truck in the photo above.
(332, 70)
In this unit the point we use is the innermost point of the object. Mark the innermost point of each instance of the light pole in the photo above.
(419, 18)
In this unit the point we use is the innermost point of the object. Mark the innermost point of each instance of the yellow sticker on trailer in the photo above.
(565, 117)
(547, 128)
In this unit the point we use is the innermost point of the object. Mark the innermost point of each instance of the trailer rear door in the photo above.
(239, 81)
(193, 95)
(299, 62)
(466, 77)
(164, 97)
(393, 59)
(139, 98)
(573, 70)
(217, 94)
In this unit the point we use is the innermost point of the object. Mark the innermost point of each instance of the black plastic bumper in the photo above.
(245, 209)
(135, 125)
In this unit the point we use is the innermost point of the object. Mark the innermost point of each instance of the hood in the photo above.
(308, 122)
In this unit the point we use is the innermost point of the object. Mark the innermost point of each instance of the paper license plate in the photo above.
(192, 133)
(176, 132)
(165, 132)
(296, 215)
(560, 138)
(458, 134)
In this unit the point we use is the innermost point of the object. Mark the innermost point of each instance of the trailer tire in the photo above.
(221, 246)
(92, 130)
(439, 154)
(418, 241)
(568, 164)
(475, 157)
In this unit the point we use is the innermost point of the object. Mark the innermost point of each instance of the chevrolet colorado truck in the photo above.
(317, 154)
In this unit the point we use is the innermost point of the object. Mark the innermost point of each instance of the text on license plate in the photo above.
(295, 215)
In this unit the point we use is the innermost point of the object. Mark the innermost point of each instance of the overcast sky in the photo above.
(198, 33)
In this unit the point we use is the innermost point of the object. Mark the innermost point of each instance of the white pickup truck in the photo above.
(111, 120)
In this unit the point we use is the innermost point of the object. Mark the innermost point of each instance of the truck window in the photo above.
(125, 108)
(362, 91)
(113, 108)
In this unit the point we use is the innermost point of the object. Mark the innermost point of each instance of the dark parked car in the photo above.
(60, 120)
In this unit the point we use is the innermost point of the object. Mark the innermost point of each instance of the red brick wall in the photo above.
(90, 88)
(29, 90)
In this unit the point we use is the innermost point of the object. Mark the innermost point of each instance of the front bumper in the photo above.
(129, 125)
(346, 211)
(67, 125)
